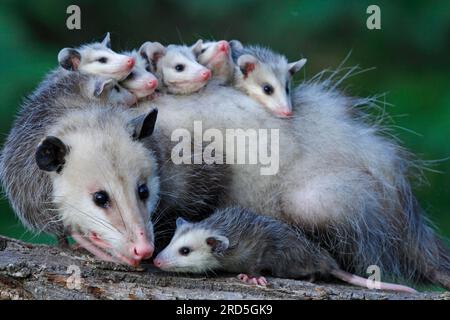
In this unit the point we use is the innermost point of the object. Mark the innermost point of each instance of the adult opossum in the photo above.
(239, 240)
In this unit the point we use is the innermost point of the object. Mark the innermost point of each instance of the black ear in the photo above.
(143, 126)
(218, 244)
(50, 154)
(107, 41)
(69, 59)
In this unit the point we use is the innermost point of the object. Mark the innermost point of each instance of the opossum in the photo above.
(216, 56)
(241, 241)
(339, 178)
(72, 116)
(97, 58)
(176, 68)
(140, 81)
(84, 172)
(60, 92)
(259, 72)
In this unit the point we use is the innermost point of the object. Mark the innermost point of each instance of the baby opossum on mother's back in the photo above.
(176, 68)
(238, 240)
(259, 72)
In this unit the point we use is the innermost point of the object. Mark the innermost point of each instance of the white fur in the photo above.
(103, 157)
(199, 260)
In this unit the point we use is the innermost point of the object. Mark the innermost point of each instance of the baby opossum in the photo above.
(176, 68)
(141, 82)
(216, 56)
(97, 58)
(238, 240)
(259, 72)
(265, 76)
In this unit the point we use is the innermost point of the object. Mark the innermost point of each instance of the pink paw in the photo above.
(257, 281)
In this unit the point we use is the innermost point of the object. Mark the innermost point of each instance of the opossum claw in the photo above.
(261, 281)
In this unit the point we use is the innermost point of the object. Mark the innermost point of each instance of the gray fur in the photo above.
(260, 244)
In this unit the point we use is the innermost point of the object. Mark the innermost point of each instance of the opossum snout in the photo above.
(141, 249)
(284, 112)
(223, 46)
(151, 84)
(158, 263)
(205, 74)
(130, 63)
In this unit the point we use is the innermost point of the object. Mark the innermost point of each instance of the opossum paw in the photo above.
(257, 281)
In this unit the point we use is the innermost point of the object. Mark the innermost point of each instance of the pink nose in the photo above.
(223, 46)
(157, 263)
(142, 251)
(286, 113)
(152, 84)
(206, 74)
(130, 62)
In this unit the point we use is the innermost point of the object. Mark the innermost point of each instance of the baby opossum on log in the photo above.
(241, 241)
(339, 178)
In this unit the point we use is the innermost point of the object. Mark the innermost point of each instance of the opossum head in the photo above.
(105, 182)
(192, 249)
(107, 91)
(176, 67)
(216, 56)
(141, 82)
(98, 59)
(266, 76)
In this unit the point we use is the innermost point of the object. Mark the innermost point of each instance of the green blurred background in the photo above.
(410, 53)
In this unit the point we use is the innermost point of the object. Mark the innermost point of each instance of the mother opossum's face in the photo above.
(106, 190)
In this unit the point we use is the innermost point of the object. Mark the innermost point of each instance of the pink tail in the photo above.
(362, 282)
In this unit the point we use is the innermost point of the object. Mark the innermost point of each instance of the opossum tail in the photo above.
(362, 282)
(428, 255)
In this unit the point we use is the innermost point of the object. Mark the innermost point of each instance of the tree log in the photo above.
(31, 271)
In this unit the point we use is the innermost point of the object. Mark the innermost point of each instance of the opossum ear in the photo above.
(197, 47)
(296, 66)
(236, 45)
(107, 41)
(143, 126)
(247, 63)
(152, 51)
(69, 59)
(218, 244)
(101, 84)
(50, 154)
(181, 221)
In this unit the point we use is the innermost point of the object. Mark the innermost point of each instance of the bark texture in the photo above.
(30, 271)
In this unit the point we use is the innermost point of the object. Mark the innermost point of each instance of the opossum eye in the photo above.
(102, 60)
(117, 88)
(147, 68)
(101, 199)
(287, 88)
(179, 67)
(184, 251)
(203, 50)
(268, 89)
(143, 192)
